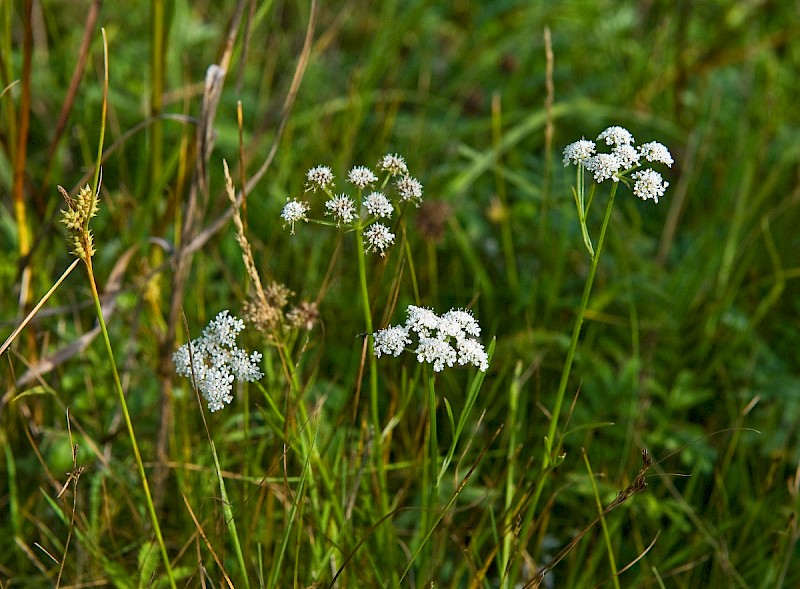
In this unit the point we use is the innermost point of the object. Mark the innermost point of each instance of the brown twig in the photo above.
(90, 23)
(637, 486)
(20, 156)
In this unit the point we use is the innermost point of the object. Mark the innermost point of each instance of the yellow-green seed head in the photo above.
(76, 219)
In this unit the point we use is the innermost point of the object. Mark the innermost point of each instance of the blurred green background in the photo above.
(693, 326)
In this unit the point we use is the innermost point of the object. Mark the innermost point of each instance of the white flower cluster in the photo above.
(216, 361)
(293, 211)
(443, 340)
(374, 204)
(624, 157)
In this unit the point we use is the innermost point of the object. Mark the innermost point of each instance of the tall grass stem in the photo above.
(151, 510)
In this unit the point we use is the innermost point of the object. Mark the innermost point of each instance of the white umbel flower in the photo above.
(616, 136)
(604, 166)
(378, 205)
(215, 361)
(293, 211)
(391, 341)
(393, 164)
(442, 341)
(623, 158)
(342, 209)
(436, 351)
(656, 152)
(471, 351)
(410, 189)
(464, 320)
(628, 156)
(319, 178)
(579, 152)
(649, 185)
(378, 238)
(422, 320)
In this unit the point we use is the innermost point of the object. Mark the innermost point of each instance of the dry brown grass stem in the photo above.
(638, 485)
(241, 238)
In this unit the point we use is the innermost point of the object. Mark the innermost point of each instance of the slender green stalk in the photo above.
(551, 457)
(12, 487)
(380, 467)
(551, 449)
(582, 205)
(156, 91)
(310, 450)
(472, 397)
(506, 230)
(434, 441)
(606, 536)
(373, 365)
(514, 423)
(429, 483)
(291, 518)
(332, 520)
(84, 237)
(151, 510)
(39, 305)
(430, 490)
(230, 520)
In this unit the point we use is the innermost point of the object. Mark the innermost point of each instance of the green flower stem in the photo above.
(552, 448)
(373, 365)
(579, 193)
(430, 480)
(380, 467)
(612, 563)
(151, 510)
(310, 449)
(313, 462)
(434, 441)
(514, 420)
(87, 258)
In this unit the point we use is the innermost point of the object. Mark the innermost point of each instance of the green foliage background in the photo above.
(693, 324)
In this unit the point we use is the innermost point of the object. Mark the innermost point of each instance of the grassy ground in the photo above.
(338, 469)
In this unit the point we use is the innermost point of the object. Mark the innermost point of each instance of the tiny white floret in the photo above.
(293, 211)
(579, 152)
(616, 136)
(361, 176)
